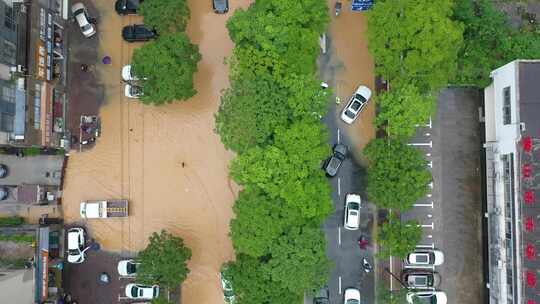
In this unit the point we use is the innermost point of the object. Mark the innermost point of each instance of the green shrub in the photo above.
(11, 221)
(18, 238)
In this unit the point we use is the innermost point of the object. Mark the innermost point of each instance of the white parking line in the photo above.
(429, 195)
(339, 283)
(430, 236)
(428, 154)
(339, 235)
(338, 136)
(430, 144)
(431, 185)
(430, 164)
(339, 186)
(391, 271)
(432, 246)
(424, 205)
(432, 226)
(430, 123)
(427, 134)
(419, 267)
(430, 215)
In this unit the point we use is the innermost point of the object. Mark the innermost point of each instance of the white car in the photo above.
(75, 245)
(351, 219)
(127, 268)
(352, 296)
(430, 297)
(356, 104)
(127, 74)
(133, 91)
(425, 258)
(138, 291)
(81, 16)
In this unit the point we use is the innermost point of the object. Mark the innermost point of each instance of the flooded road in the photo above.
(166, 160)
(351, 65)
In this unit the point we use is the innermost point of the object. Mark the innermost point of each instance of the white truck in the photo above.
(98, 209)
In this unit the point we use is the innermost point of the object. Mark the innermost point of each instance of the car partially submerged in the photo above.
(133, 91)
(420, 279)
(356, 104)
(127, 7)
(138, 33)
(352, 296)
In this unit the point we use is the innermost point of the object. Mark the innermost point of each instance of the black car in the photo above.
(420, 279)
(332, 164)
(138, 32)
(323, 297)
(127, 7)
(220, 6)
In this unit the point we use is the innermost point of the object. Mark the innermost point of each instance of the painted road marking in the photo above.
(428, 154)
(429, 195)
(339, 235)
(427, 134)
(419, 267)
(391, 271)
(430, 215)
(338, 136)
(430, 236)
(430, 123)
(432, 226)
(430, 144)
(339, 283)
(424, 205)
(430, 164)
(339, 186)
(432, 246)
(431, 185)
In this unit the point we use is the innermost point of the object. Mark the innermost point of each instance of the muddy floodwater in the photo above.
(166, 160)
(355, 66)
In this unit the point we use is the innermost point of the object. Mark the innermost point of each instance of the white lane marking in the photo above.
(339, 235)
(339, 186)
(430, 215)
(338, 136)
(430, 144)
(391, 271)
(432, 226)
(424, 205)
(430, 123)
(432, 246)
(339, 283)
(430, 236)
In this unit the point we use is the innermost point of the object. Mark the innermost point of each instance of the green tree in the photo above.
(165, 15)
(414, 40)
(398, 239)
(290, 168)
(385, 296)
(298, 259)
(163, 261)
(167, 66)
(259, 221)
(397, 174)
(402, 108)
(251, 285)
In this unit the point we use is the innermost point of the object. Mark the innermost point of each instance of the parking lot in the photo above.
(451, 213)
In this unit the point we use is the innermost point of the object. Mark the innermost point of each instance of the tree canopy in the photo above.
(163, 261)
(290, 168)
(402, 109)
(165, 16)
(415, 41)
(397, 174)
(168, 65)
(398, 239)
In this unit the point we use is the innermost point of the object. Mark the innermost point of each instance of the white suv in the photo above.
(425, 258)
(75, 244)
(81, 16)
(352, 212)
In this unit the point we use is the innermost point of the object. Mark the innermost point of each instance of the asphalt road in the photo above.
(343, 248)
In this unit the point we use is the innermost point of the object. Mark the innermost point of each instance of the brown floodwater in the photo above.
(349, 42)
(166, 160)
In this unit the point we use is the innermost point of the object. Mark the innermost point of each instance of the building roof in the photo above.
(529, 96)
(28, 194)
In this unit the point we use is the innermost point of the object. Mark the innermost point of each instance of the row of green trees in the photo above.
(420, 46)
(166, 66)
(270, 117)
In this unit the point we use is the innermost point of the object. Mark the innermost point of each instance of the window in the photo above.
(507, 114)
(9, 19)
(8, 52)
(8, 94)
(6, 124)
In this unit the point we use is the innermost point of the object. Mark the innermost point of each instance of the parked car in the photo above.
(425, 258)
(139, 291)
(352, 212)
(127, 7)
(356, 104)
(76, 240)
(220, 6)
(138, 33)
(83, 20)
(323, 297)
(332, 164)
(127, 75)
(420, 279)
(133, 91)
(228, 292)
(127, 268)
(351, 296)
(3, 171)
(428, 297)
